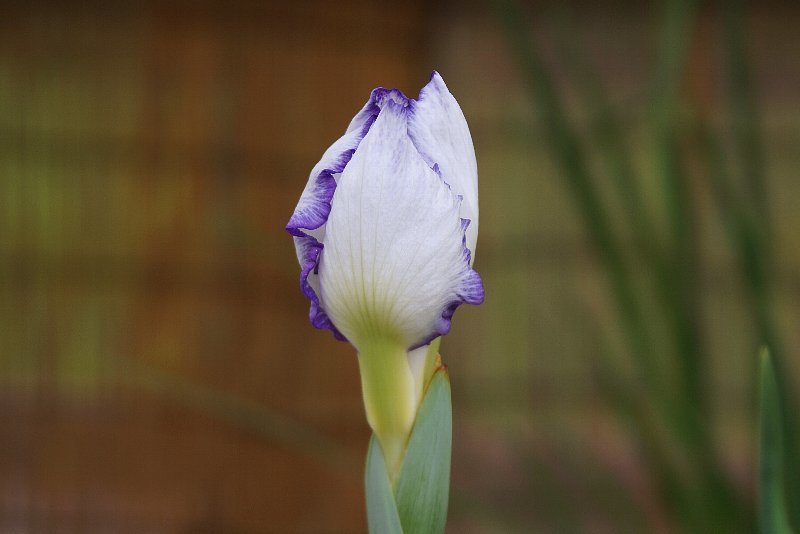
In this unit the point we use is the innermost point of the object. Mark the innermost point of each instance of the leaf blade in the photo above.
(423, 485)
(773, 516)
(382, 516)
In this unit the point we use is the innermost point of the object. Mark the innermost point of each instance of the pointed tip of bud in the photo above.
(440, 367)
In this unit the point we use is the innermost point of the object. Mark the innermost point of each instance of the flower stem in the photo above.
(388, 388)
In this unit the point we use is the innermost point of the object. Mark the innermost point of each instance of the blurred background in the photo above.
(640, 240)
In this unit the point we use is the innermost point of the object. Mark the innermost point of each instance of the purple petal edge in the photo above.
(470, 292)
(314, 213)
(311, 249)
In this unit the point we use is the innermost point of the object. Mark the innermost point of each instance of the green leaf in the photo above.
(773, 518)
(382, 514)
(423, 486)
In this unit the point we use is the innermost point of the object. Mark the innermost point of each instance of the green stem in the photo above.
(390, 400)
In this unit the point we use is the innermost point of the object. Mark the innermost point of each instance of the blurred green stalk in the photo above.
(701, 497)
(750, 225)
(772, 497)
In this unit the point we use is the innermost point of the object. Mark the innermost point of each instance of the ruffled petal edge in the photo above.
(309, 250)
(470, 291)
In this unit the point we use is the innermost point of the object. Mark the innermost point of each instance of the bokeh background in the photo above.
(640, 240)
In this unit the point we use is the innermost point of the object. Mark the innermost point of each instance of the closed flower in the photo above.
(385, 233)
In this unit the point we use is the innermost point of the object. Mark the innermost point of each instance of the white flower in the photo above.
(385, 233)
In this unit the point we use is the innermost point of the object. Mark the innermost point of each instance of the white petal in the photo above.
(394, 262)
(313, 207)
(440, 132)
(307, 223)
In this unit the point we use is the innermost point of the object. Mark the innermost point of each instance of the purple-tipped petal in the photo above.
(314, 206)
(308, 251)
(382, 229)
(470, 291)
(377, 99)
(439, 130)
(315, 202)
(395, 261)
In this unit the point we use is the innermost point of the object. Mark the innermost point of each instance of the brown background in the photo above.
(157, 369)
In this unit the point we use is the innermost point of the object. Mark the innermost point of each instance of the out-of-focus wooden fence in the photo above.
(157, 370)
